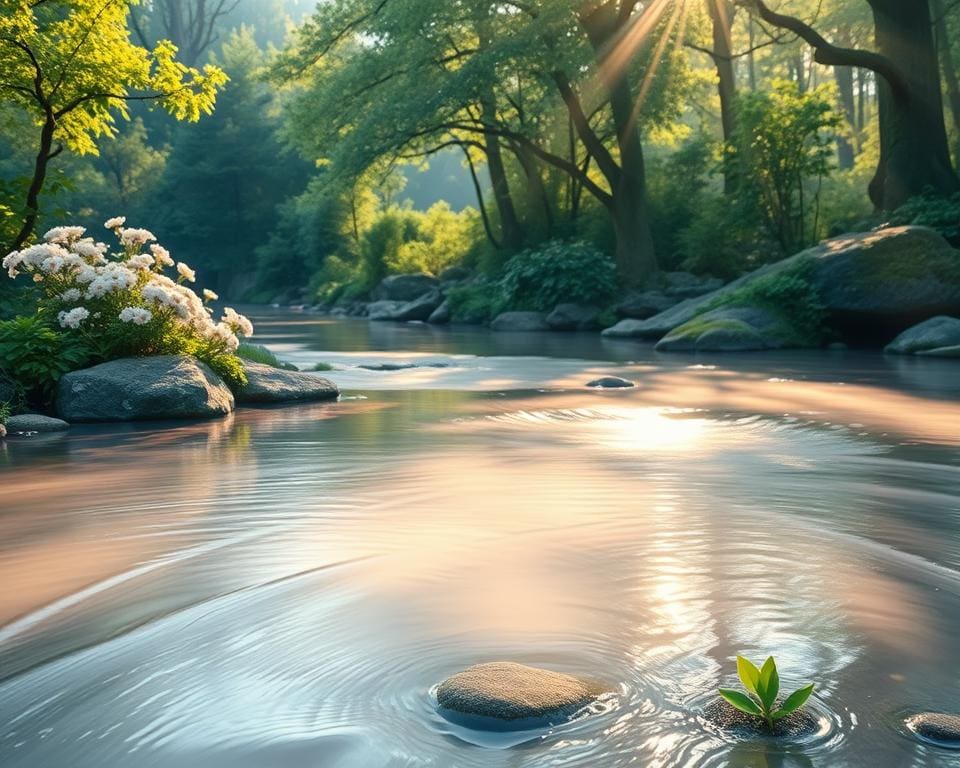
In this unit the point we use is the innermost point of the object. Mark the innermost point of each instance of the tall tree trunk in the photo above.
(950, 77)
(539, 212)
(914, 156)
(635, 255)
(721, 15)
(846, 146)
(44, 154)
(913, 140)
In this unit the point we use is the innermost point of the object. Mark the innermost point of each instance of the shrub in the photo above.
(36, 355)
(934, 211)
(257, 353)
(107, 305)
(558, 272)
(475, 303)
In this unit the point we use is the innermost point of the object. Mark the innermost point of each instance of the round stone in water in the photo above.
(508, 696)
(938, 727)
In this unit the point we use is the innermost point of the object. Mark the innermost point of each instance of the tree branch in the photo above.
(831, 55)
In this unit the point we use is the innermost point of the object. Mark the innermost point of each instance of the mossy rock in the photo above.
(728, 329)
(796, 725)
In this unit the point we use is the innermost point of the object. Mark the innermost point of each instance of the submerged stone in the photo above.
(794, 726)
(937, 726)
(510, 696)
(610, 382)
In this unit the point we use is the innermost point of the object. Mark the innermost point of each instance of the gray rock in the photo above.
(513, 695)
(441, 315)
(420, 308)
(383, 310)
(404, 288)
(519, 321)
(572, 317)
(35, 422)
(274, 385)
(795, 725)
(453, 274)
(939, 331)
(941, 352)
(640, 306)
(728, 329)
(885, 279)
(387, 366)
(610, 382)
(685, 285)
(139, 388)
(936, 726)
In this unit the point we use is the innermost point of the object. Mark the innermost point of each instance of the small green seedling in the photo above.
(762, 686)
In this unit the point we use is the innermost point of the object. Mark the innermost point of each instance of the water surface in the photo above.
(283, 587)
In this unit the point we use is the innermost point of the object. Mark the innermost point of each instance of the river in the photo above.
(285, 586)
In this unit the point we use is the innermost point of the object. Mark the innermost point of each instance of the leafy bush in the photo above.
(558, 272)
(94, 306)
(762, 686)
(934, 211)
(441, 239)
(724, 240)
(788, 294)
(475, 303)
(36, 355)
(4, 412)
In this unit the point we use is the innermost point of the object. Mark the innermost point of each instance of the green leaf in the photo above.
(749, 674)
(794, 701)
(769, 685)
(741, 701)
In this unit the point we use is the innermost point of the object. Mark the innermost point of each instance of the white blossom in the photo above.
(237, 322)
(52, 264)
(89, 250)
(71, 294)
(224, 334)
(162, 255)
(140, 261)
(11, 261)
(135, 315)
(186, 273)
(209, 295)
(64, 235)
(115, 223)
(73, 318)
(134, 238)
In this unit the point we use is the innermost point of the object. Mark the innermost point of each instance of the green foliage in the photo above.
(558, 272)
(788, 294)
(475, 302)
(762, 686)
(5, 412)
(723, 239)
(35, 354)
(257, 353)
(781, 152)
(322, 367)
(934, 211)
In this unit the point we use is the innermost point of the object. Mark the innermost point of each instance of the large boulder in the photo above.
(871, 284)
(928, 336)
(383, 310)
(143, 388)
(404, 287)
(728, 329)
(519, 321)
(421, 307)
(505, 695)
(266, 384)
(572, 317)
(685, 285)
(640, 306)
(35, 422)
(441, 315)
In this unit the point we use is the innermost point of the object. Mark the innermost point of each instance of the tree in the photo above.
(474, 72)
(71, 66)
(192, 25)
(914, 155)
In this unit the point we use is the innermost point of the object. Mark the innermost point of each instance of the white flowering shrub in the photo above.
(122, 303)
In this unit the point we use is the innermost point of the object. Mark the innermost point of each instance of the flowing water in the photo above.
(284, 587)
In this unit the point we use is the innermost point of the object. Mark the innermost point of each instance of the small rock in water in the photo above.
(729, 718)
(387, 366)
(510, 696)
(938, 727)
(35, 422)
(610, 382)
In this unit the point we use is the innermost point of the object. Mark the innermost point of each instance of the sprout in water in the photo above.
(762, 687)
